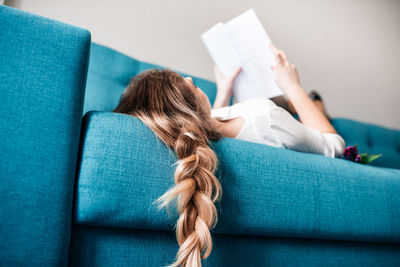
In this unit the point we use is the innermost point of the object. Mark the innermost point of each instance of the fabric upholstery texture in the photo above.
(98, 246)
(371, 139)
(111, 71)
(267, 191)
(43, 67)
(279, 207)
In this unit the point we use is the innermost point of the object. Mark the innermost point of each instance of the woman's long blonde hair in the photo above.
(163, 100)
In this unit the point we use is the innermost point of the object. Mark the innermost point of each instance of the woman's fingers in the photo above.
(280, 55)
(283, 55)
(274, 49)
(282, 59)
(218, 74)
(216, 71)
(236, 73)
(277, 54)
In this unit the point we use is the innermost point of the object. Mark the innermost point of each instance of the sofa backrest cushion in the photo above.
(110, 72)
(43, 70)
(267, 191)
(371, 139)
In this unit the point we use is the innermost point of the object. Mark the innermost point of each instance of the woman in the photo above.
(262, 121)
(180, 114)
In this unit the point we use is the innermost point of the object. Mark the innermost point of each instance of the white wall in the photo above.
(347, 50)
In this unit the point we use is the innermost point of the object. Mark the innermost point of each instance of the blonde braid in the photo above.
(194, 185)
(165, 102)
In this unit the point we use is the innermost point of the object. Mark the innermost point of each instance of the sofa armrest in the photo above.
(43, 70)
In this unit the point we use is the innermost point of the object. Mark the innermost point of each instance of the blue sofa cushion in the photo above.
(267, 191)
(110, 72)
(371, 139)
(43, 70)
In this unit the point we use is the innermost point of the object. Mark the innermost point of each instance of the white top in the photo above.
(269, 124)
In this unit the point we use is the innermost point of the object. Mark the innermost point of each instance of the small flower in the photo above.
(350, 153)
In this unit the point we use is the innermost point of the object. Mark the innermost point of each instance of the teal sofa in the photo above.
(77, 182)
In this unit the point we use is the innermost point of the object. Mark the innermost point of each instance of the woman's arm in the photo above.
(224, 87)
(287, 78)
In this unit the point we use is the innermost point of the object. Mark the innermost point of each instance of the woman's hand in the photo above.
(287, 78)
(225, 83)
(224, 87)
(285, 74)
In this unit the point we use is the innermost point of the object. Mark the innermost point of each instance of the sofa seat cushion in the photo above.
(267, 191)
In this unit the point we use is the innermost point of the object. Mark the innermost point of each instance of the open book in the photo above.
(243, 41)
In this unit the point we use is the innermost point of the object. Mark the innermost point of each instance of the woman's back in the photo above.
(269, 124)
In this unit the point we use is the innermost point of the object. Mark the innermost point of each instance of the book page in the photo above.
(248, 46)
(220, 49)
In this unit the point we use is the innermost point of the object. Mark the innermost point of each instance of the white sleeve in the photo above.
(294, 135)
